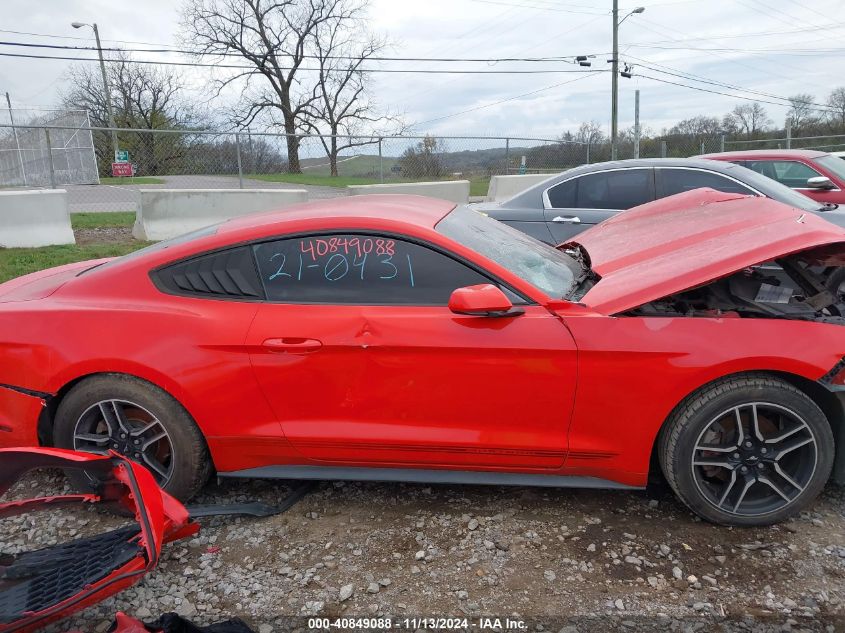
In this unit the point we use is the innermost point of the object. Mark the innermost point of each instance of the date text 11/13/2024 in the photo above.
(417, 623)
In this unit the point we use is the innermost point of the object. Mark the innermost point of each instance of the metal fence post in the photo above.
(664, 149)
(50, 159)
(788, 133)
(17, 140)
(702, 147)
(722, 143)
(380, 161)
(636, 124)
(238, 153)
(507, 156)
(588, 152)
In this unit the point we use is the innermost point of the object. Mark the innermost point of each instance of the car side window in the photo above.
(359, 270)
(787, 172)
(562, 196)
(620, 189)
(679, 180)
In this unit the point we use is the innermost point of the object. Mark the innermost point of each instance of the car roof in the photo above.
(530, 197)
(766, 153)
(407, 214)
(419, 211)
(648, 162)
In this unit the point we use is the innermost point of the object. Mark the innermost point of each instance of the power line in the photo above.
(490, 60)
(837, 25)
(556, 8)
(514, 98)
(716, 92)
(683, 75)
(768, 51)
(424, 71)
(668, 33)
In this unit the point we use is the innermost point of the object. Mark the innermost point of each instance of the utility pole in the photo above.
(636, 124)
(15, 132)
(614, 104)
(78, 25)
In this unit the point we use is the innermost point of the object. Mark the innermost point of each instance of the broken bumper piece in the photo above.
(45, 585)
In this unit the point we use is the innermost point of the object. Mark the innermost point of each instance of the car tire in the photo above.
(139, 420)
(748, 450)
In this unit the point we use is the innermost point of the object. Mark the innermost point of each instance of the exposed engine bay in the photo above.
(793, 287)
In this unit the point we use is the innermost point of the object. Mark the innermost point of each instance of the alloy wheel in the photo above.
(129, 429)
(754, 459)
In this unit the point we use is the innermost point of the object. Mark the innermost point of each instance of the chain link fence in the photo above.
(829, 143)
(60, 149)
(40, 148)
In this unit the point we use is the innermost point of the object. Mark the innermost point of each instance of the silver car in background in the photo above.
(555, 210)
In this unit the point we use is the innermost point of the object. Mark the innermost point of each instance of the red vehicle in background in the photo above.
(818, 175)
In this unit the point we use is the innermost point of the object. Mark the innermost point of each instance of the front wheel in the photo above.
(748, 450)
(140, 421)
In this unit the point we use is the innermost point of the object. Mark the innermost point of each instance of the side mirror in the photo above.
(482, 300)
(820, 182)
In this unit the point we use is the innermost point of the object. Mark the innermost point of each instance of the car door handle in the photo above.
(290, 345)
(567, 219)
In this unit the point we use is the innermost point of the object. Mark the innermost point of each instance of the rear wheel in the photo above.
(749, 450)
(140, 421)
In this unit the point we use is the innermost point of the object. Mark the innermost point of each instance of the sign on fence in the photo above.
(121, 156)
(119, 170)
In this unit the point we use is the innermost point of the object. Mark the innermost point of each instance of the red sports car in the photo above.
(818, 175)
(403, 338)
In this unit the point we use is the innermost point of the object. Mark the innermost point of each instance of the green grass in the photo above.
(361, 166)
(102, 220)
(140, 180)
(479, 186)
(15, 262)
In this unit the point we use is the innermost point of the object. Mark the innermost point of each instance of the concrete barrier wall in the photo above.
(34, 218)
(505, 187)
(166, 213)
(454, 190)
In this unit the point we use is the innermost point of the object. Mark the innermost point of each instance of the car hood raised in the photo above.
(684, 241)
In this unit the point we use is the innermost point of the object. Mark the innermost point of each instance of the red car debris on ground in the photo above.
(45, 585)
(403, 338)
(818, 175)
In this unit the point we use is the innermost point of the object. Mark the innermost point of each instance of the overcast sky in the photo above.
(779, 47)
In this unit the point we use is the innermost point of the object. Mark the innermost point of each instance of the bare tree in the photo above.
(697, 126)
(275, 37)
(423, 160)
(748, 118)
(587, 133)
(144, 97)
(342, 107)
(801, 112)
(836, 103)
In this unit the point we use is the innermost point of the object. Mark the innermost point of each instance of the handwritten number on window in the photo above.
(279, 273)
(336, 268)
(336, 257)
(386, 259)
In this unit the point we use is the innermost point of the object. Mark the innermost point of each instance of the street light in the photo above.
(614, 107)
(79, 25)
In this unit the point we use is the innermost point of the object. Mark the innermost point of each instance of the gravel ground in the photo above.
(561, 560)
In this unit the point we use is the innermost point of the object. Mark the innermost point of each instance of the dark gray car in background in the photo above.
(573, 201)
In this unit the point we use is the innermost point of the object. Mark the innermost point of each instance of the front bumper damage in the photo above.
(45, 585)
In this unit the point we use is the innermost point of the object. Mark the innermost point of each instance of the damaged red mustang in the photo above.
(402, 338)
